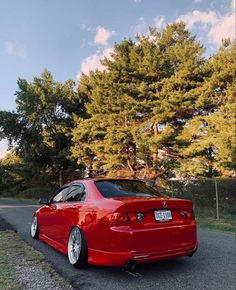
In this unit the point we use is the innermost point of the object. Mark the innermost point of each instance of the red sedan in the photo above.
(115, 222)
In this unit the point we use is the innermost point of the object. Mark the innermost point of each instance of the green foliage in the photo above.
(141, 103)
(159, 109)
(207, 143)
(40, 129)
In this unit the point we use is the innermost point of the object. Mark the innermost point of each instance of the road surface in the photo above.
(212, 267)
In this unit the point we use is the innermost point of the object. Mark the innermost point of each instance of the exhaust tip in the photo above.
(130, 265)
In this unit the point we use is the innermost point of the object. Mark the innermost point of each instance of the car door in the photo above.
(68, 212)
(50, 216)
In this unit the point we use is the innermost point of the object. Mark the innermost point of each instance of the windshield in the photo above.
(125, 188)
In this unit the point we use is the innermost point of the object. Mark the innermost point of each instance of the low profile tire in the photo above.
(34, 229)
(77, 248)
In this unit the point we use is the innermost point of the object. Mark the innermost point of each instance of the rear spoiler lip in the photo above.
(141, 205)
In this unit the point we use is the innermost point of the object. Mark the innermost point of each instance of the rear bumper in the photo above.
(121, 258)
(122, 244)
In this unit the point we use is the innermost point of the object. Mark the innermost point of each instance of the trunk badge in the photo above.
(164, 204)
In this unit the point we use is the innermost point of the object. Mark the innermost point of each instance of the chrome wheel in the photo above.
(34, 226)
(74, 245)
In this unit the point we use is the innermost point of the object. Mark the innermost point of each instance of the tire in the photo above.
(77, 248)
(34, 228)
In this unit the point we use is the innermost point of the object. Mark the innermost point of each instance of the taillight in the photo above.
(187, 214)
(136, 216)
(122, 217)
(115, 217)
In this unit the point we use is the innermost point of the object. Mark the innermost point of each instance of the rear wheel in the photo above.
(77, 248)
(34, 230)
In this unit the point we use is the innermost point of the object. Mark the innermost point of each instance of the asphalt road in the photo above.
(212, 267)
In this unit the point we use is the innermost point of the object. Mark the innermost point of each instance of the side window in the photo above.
(60, 196)
(76, 193)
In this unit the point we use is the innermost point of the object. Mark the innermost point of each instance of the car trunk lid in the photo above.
(158, 211)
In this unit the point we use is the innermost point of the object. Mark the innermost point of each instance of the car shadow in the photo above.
(146, 269)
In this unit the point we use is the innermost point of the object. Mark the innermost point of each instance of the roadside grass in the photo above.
(21, 199)
(224, 225)
(12, 249)
(33, 193)
(7, 273)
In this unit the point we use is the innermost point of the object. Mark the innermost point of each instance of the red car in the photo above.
(115, 222)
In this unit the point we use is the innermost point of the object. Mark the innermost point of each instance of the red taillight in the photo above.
(115, 217)
(132, 217)
(122, 217)
(187, 214)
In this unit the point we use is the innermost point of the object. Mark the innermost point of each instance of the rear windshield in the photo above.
(125, 188)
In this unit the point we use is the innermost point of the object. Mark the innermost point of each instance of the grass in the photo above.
(7, 274)
(224, 225)
(22, 199)
(32, 193)
(13, 248)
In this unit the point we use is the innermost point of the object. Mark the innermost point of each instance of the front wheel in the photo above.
(77, 248)
(34, 229)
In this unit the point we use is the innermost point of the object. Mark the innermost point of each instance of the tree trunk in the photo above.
(155, 154)
(130, 167)
(210, 162)
(60, 177)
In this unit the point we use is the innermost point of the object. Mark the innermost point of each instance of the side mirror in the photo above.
(44, 200)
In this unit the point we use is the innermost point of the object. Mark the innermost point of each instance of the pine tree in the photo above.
(207, 144)
(140, 103)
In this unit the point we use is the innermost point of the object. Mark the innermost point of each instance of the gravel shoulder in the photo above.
(22, 267)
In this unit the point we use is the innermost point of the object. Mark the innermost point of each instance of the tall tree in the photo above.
(142, 100)
(207, 143)
(41, 126)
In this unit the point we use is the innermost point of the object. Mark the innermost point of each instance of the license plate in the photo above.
(163, 215)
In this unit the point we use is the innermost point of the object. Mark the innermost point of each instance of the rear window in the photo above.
(125, 188)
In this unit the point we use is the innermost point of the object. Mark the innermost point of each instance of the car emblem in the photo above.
(164, 203)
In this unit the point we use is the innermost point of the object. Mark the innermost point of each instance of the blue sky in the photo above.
(70, 36)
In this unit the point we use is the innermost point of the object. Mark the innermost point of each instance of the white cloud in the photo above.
(137, 1)
(15, 49)
(93, 62)
(233, 6)
(85, 27)
(224, 28)
(197, 1)
(199, 17)
(141, 27)
(217, 26)
(159, 22)
(102, 36)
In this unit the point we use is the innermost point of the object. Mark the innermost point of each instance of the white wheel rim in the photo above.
(74, 245)
(34, 226)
